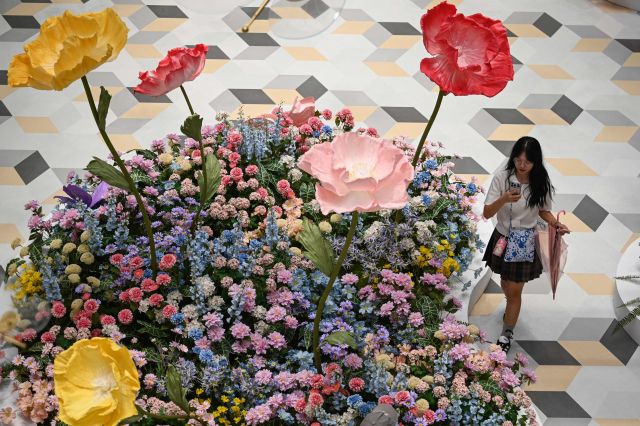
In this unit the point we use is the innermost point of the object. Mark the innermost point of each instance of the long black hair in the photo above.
(539, 183)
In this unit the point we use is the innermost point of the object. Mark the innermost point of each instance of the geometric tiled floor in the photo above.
(576, 89)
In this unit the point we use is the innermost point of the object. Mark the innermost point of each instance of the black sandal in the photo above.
(504, 341)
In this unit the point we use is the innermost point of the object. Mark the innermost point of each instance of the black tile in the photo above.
(510, 33)
(35, 1)
(591, 213)
(258, 39)
(400, 28)
(504, 147)
(215, 52)
(468, 166)
(315, 8)
(251, 96)
(167, 11)
(619, 343)
(558, 405)
(21, 21)
(633, 44)
(515, 60)
(162, 99)
(547, 24)
(4, 112)
(547, 352)
(508, 116)
(4, 79)
(567, 109)
(405, 114)
(31, 167)
(266, 14)
(311, 87)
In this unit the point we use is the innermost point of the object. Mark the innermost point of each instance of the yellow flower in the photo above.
(67, 48)
(96, 383)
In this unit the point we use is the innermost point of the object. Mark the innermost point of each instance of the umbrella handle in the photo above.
(558, 215)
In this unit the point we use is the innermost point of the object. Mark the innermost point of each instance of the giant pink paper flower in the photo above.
(181, 64)
(302, 111)
(358, 173)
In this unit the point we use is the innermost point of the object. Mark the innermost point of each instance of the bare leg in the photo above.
(513, 292)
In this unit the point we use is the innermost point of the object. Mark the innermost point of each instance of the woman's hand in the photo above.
(511, 196)
(562, 228)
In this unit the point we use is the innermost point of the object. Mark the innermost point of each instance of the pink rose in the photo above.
(181, 64)
(358, 172)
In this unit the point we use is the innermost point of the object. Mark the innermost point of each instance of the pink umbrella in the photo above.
(552, 250)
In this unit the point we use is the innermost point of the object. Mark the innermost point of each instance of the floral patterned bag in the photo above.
(521, 244)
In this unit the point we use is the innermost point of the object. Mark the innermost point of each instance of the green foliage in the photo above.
(107, 173)
(192, 127)
(341, 338)
(103, 107)
(317, 248)
(176, 392)
(209, 187)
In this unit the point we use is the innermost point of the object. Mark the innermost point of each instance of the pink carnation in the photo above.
(167, 261)
(356, 384)
(125, 316)
(58, 309)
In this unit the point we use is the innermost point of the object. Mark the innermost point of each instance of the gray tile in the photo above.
(617, 52)
(215, 52)
(226, 102)
(122, 102)
(468, 166)
(101, 78)
(126, 126)
(635, 140)
(560, 421)
(523, 17)
(591, 213)
(22, 21)
(141, 97)
(585, 329)
(142, 17)
(353, 97)
(547, 352)
(484, 123)
(167, 11)
(493, 288)
(547, 24)
(286, 81)
(611, 118)
(18, 34)
(311, 87)
(266, 14)
(31, 167)
(567, 109)
(557, 404)
(146, 37)
(587, 31)
(4, 112)
(62, 173)
(504, 147)
(385, 55)
(632, 44)
(508, 116)
(567, 202)
(258, 39)
(7, 5)
(377, 34)
(251, 96)
(257, 53)
(355, 15)
(405, 114)
(3, 78)
(381, 121)
(539, 100)
(627, 73)
(12, 157)
(619, 343)
(315, 8)
(630, 220)
(400, 28)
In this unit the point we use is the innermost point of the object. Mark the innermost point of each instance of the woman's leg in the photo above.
(513, 292)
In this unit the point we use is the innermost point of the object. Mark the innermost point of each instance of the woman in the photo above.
(519, 194)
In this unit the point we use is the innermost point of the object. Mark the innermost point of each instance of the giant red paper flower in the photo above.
(471, 54)
(181, 64)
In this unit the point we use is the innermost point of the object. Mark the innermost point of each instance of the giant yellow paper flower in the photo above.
(67, 48)
(96, 383)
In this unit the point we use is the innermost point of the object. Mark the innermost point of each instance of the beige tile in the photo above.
(510, 132)
(9, 177)
(616, 133)
(213, 65)
(145, 110)
(283, 96)
(542, 116)
(618, 422)
(60, 192)
(571, 167)
(124, 143)
(632, 239)
(302, 53)
(259, 26)
(553, 378)
(437, 2)
(26, 9)
(361, 113)
(292, 13)
(5, 91)
(487, 304)
(125, 10)
(551, 72)
(591, 45)
(593, 284)
(525, 30)
(409, 130)
(253, 110)
(629, 86)
(574, 223)
(36, 125)
(401, 42)
(608, 7)
(95, 91)
(633, 60)
(143, 51)
(353, 27)
(590, 353)
(8, 233)
(164, 24)
(387, 69)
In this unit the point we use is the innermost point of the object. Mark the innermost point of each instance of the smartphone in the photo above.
(515, 185)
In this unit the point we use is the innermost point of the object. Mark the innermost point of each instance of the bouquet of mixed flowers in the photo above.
(197, 281)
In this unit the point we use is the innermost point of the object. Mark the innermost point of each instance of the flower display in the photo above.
(67, 48)
(96, 382)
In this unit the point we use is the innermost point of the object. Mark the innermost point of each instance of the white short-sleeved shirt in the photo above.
(522, 216)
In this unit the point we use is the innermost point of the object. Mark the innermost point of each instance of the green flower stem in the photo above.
(436, 108)
(327, 290)
(127, 176)
(186, 98)
(194, 223)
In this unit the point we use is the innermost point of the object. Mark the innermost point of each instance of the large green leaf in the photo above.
(307, 192)
(209, 188)
(103, 107)
(107, 173)
(192, 127)
(341, 338)
(317, 248)
(175, 390)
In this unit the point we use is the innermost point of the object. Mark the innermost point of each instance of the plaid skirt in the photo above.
(519, 272)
